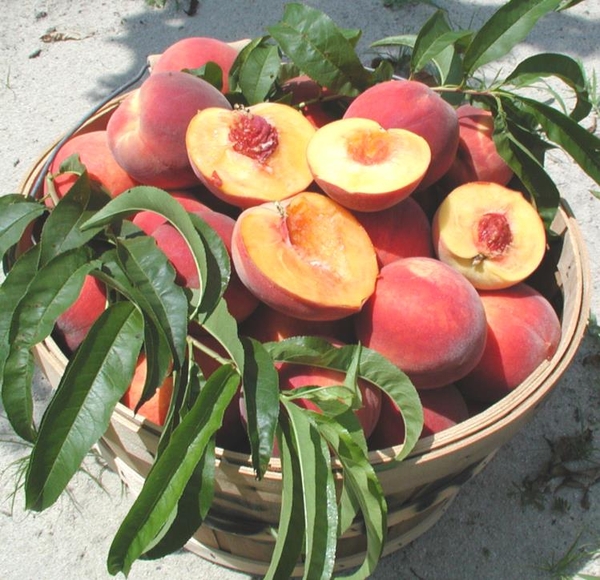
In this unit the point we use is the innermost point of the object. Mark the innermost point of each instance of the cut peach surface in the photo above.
(365, 167)
(489, 233)
(253, 155)
(306, 256)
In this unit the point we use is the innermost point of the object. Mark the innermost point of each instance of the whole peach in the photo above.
(427, 319)
(74, 323)
(146, 132)
(412, 105)
(523, 330)
(194, 52)
(401, 231)
(477, 158)
(103, 170)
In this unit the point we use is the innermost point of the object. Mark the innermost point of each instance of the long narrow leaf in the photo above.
(153, 282)
(290, 534)
(362, 484)
(507, 27)
(52, 289)
(261, 396)
(320, 507)
(259, 72)
(157, 200)
(171, 471)
(561, 66)
(79, 413)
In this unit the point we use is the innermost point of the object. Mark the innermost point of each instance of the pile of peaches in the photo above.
(390, 224)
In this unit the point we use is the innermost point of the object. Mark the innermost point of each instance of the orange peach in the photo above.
(412, 105)
(402, 231)
(490, 234)
(156, 408)
(294, 376)
(477, 158)
(194, 52)
(266, 324)
(146, 133)
(253, 155)
(365, 167)
(427, 319)
(103, 170)
(442, 408)
(306, 256)
(523, 331)
(74, 323)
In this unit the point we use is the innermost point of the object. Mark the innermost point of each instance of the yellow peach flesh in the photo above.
(242, 179)
(499, 263)
(312, 250)
(359, 156)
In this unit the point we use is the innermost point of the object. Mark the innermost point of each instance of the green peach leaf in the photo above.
(16, 214)
(210, 72)
(506, 28)
(318, 491)
(316, 45)
(290, 533)
(79, 412)
(362, 484)
(33, 307)
(561, 66)
(152, 280)
(373, 367)
(258, 72)
(261, 397)
(172, 470)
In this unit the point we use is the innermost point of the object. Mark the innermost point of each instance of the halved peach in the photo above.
(491, 234)
(306, 256)
(365, 167)
(252, 155)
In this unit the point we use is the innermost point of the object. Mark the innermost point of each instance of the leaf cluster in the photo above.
(48, 253)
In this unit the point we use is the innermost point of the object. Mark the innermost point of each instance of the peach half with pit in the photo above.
(365, 167)
(306, 256)
(427, 319)
(489, 233)
(412, 105)
(146, 132)
(252, 155)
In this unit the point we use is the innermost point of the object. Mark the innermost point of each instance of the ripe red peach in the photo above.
(412, 105)
(523, 331)
(477, 158)
(489, 233)
(306, 256)
(365, 167)
(74, 323)
(194, 52)
(402, 231)
(442, 408)
(293, 376)
(253, 155)
(156, 408)
(427, 319)
(266, 324)
(146, 132)
(103, 170)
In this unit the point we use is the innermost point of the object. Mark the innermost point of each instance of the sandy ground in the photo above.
(493, 530)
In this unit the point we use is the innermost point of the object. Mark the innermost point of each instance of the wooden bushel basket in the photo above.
(238, 532)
